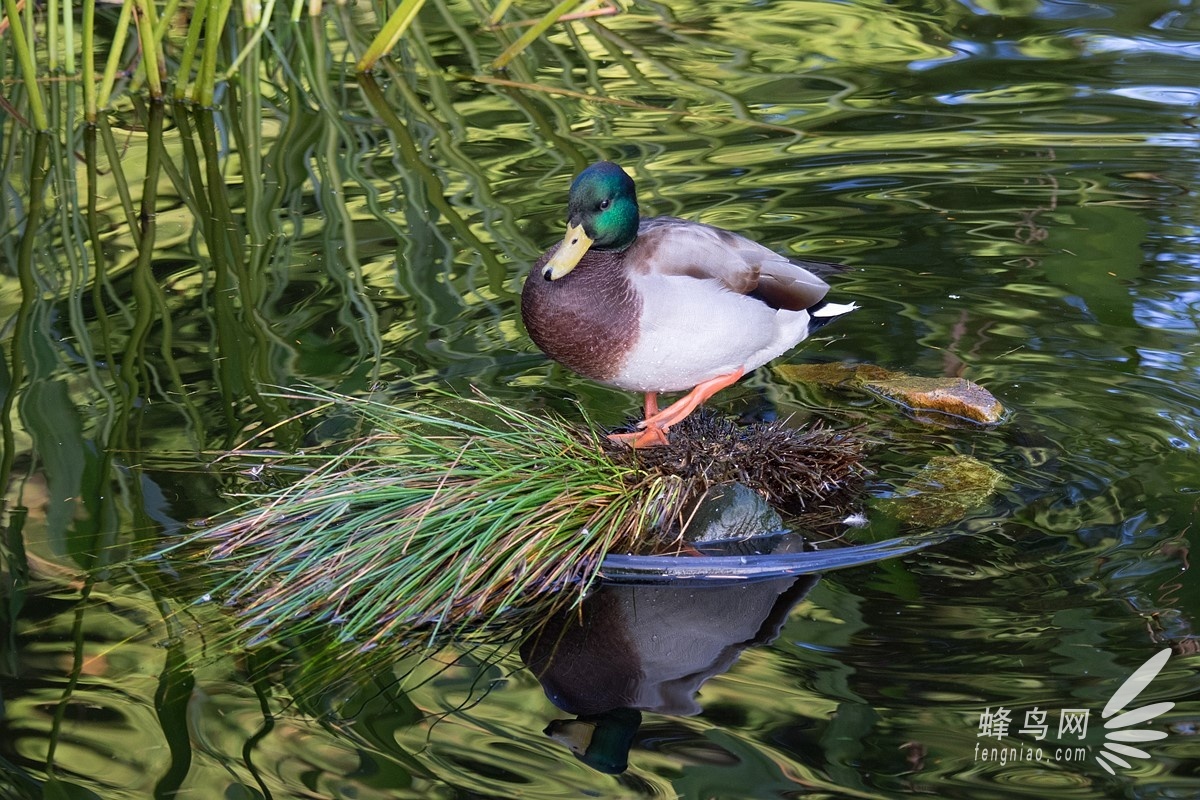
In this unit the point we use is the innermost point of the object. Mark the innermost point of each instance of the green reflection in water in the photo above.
(1012, 184)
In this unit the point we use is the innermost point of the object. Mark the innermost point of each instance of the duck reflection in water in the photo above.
(635, 648)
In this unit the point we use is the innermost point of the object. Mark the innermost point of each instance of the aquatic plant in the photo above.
(432, 520)
(428, 518)
(153, 44)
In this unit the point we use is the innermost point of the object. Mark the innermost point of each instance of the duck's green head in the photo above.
(602, 213)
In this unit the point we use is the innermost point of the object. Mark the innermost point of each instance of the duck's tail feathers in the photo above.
(824, 313)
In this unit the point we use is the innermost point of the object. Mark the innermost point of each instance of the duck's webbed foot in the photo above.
(654, 428)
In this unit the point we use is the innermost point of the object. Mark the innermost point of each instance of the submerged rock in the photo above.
(943, 492)
(958, 397)
(731, 511)
(734, 520)
(929, 399)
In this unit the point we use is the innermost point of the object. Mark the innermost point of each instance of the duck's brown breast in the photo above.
(588, 319)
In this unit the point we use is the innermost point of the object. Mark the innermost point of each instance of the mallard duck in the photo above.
(664, 304)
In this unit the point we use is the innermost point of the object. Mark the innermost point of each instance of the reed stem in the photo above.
(37, 108)
(151, 47)
(206, 80)
(190, 46)
(114, 56)
(68, 21)
(89, 61)
(52, 35)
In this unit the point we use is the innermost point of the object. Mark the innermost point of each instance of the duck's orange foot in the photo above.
(653, 431)
(650, 436)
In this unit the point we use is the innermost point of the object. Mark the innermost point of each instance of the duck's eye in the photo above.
(605, 203)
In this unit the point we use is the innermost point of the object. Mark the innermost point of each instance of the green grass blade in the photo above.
(397, 23)
(531, 35)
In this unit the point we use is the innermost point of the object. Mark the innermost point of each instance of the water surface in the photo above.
(1014, 188)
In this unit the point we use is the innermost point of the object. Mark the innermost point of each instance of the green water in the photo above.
(1014, 185)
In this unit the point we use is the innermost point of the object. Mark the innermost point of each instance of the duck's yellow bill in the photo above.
(573, 246)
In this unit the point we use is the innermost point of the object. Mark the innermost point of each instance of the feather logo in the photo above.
(1117, 730)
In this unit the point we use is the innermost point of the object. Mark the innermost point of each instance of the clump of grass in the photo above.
(431, 521)
(427, 522)
(801, 471)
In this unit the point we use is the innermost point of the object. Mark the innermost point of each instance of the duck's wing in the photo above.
(674, 247)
